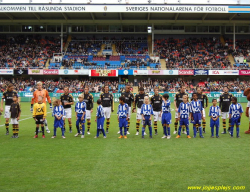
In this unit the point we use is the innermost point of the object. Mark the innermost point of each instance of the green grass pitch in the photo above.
(114, 165)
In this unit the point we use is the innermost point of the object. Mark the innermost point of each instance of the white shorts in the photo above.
(88, 114)
(129, 112)
(249, 114)
(176, 115)
(204, 113)
(138, 115)
(157, 116)
(107, 112)
(14, 121)
(224, 115)
(68, 113)
(7, 111)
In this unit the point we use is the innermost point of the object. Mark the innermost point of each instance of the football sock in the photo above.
(237, 131)
(169, 131)
(204, 125)
(17, 129)
(77, 127)
(128, 124)
(83, 128)
(7, 125)
(125, 131)
(175, 126)
(150, 130)
(143, 130)
(224, 126)
(232, 130)
(55, 131)
(103, 132)
(179, 130)
(212, 131)
(88, 124)
(200, 129)
(187, 129)
(165, 130)
(43, 130)
(137, 125)
(121, 131)
(155, 127)
(195, 130)
(217, 131)
(107, 124)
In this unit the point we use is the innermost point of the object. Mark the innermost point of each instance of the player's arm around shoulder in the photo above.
(34, 111)
(3, 97)
(71, 99)
(101, 94)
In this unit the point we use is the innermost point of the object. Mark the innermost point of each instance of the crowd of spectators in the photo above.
(209, 86)
(131, 47)
(192, 53)
(75, 86)
(34, 50)
(96, 85)
(89, 47)
(24, 51)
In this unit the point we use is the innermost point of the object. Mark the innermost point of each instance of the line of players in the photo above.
(108, 106)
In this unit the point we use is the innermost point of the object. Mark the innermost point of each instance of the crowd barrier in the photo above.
(116, 73)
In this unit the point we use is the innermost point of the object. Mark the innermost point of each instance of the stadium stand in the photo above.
(179, 52)
(27, 51)
(193, 53)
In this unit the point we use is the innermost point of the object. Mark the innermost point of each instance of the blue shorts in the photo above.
(184, 122)
(123, 122)
(235, 121)
(100, 122)
(58, 123)
(197, 118)
(78, 119)
(166, 118)
(146, 121)
(214, 123)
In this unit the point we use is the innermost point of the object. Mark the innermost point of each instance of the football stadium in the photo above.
(124, 95)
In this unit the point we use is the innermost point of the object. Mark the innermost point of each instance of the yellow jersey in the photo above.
(39, 109)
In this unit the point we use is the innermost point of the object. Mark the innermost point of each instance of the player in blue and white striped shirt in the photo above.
(184, 116)
(166, 118)
(214, 114)
(196, 114)
(80, 109)
(147, 112)
(122, 112)
(235, 113)
(59, 114)
(100, 119)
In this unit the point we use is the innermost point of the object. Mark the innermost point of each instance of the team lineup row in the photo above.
(157, 109)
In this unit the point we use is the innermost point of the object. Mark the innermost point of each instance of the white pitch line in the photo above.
(23, 119)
